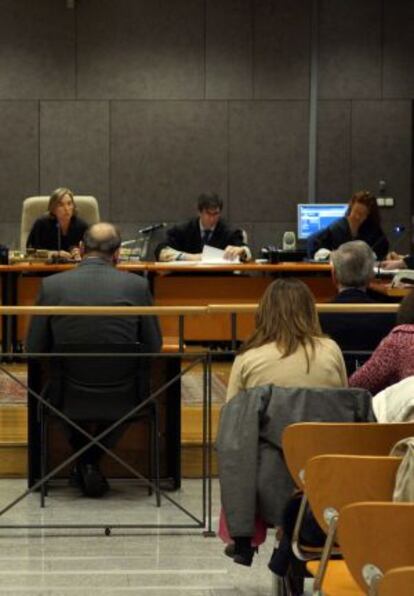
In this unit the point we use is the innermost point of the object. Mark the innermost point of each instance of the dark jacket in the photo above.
(45, 234)
(355, 332)
(94, 282)
(339, 232)
(186, 237)
(252, 472)
(409, 261)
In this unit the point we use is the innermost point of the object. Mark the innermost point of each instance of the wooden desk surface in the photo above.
(384, 288)
(184, 266)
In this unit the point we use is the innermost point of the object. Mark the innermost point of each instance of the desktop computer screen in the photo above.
(313, 217)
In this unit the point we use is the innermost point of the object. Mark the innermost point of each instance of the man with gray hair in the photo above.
(352, 271)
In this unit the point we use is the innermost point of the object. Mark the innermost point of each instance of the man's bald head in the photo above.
(102, 239)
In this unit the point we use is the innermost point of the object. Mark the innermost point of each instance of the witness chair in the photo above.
(101, 389)
(34, 207)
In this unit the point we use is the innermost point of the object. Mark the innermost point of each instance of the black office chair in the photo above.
(100, 389)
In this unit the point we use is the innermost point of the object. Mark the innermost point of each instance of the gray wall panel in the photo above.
(281, 49)
(164, 154)
(381, 149)
(350, 49)
(229, 44)
(268, 159)
(19, 156)
(37, 50)
(399, 49)
(75, 148)
(133, 49)
(334, 151)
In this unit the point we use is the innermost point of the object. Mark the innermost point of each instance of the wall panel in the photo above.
(281, 49)
(350, 49)
(268, 159)
(37, 57)
(398, 78)
(19, 156)
(75, 148)
(229, 46)
(334, 151)
(381, 149)
(135, 49)
(164, 154)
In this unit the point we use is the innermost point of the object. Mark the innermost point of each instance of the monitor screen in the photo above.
(313, 217)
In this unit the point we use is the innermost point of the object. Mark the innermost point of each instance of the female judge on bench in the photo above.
(60, 230)
(361, 222)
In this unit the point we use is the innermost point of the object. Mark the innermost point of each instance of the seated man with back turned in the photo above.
(352, 272)
(185, 241)
(94, 282)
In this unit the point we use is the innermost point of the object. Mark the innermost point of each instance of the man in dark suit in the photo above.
(94, 282)
(352, 272)
(185, 241)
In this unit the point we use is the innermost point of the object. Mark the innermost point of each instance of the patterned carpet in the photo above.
(11, 393)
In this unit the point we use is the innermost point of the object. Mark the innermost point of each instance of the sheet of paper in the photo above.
(215, 255)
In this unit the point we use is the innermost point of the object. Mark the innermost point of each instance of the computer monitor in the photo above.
(313, 217)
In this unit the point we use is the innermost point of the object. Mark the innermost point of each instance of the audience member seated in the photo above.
(95, 282)
(396, 402)
(185, 241)
(60, 230)
(361, 222)
(393, 360)
(287, 348)
(397, 261)
(352, 271)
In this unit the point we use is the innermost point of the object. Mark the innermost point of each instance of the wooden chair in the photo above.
(305, 440)
(376, 538)
(335, 481)
(398, 581)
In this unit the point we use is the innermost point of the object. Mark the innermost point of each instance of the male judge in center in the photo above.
(185, 241)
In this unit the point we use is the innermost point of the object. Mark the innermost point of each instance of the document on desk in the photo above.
(215, 256)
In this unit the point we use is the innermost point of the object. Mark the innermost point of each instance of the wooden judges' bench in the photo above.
(182, 283)
(173, 283)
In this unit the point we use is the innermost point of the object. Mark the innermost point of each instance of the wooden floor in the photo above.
(13, 439)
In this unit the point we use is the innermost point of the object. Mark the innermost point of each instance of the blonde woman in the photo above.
(287, 347)
(60, 230)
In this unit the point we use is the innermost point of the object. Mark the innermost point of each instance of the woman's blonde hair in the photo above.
(55, 198)
(287, 316)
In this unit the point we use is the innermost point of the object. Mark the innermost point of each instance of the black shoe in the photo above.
(75, 477)
(244, 551)
(230, 550)
(94, 483)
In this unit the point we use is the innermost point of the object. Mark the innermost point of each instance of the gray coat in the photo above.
(252, 472)
(95, 282)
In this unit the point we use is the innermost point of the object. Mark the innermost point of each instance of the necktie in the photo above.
(205, 237)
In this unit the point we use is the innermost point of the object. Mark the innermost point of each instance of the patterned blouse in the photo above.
(392, 361)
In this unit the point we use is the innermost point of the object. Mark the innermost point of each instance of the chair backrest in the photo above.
(97, 387)
(397, 581)
(305, 440)
(33, 207)
(375, 538)
(334, 481)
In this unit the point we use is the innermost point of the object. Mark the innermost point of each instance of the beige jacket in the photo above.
(404, 481)
(264, 365)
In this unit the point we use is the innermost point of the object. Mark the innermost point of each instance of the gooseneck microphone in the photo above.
(152, 228)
